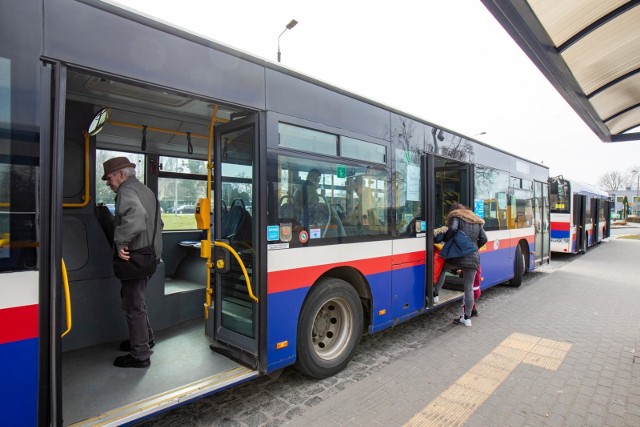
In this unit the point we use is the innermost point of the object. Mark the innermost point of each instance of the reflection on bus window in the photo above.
(330, 200)
(491, 186)
(406, 180)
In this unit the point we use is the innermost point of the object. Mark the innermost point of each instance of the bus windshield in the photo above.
(559, 196)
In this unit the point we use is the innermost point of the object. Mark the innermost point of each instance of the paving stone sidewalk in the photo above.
(590, 306)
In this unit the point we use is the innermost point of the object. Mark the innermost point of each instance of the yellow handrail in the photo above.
(67, 297)
(154, 129)
(244, 270)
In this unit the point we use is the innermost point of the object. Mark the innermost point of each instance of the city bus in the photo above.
(580, 215)
(297, 216)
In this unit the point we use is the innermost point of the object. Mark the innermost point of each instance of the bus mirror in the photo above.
(99, 120)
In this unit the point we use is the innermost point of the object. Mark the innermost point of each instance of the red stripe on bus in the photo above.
(411, 257)
(295, 278)
(18, 323)
(563, 226)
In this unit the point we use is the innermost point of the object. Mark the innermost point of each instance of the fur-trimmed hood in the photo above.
(466, 215)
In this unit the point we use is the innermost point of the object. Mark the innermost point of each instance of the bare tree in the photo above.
(612, 181)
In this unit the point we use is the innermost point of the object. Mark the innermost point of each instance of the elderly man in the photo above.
(136, 210)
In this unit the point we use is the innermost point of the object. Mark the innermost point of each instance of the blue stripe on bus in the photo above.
(560, 234)
(19, 373)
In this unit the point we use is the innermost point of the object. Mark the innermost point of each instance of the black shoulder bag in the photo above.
(142, 262)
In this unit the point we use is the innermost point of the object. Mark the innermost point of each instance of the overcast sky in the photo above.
(448, 62)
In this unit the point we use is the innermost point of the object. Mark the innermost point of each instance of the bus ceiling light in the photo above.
(289, 26)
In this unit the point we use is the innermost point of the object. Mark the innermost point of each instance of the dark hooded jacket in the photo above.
(472, 225)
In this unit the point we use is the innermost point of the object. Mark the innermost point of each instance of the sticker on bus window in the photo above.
(273, 233)
(303, 237)
(275, 246)
(286, 232)
(314, 233)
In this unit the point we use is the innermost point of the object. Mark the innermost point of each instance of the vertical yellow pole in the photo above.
(209, 291)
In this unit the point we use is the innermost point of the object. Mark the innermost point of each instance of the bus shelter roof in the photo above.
(589, 50)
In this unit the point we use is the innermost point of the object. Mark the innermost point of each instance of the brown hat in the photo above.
(116, 164)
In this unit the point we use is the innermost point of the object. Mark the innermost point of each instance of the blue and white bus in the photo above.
(267, 280)
(580, 215)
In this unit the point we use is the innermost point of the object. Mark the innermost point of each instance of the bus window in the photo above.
(521, 208)
(181, 182)
(491, 188)
(408, 194)
(559, 196)
(103, 192)
(315, 196)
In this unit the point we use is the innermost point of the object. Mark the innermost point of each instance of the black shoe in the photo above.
(129, 361)
(474, 313)
(126, 345)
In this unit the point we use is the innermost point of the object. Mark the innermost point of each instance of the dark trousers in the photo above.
(135, 310)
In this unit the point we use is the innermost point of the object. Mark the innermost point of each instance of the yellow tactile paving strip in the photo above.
(457, 403)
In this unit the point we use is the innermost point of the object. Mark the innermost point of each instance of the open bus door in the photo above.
(595, 219)
(233, 320)
(579, 220)
(447, 181)
(541, 222)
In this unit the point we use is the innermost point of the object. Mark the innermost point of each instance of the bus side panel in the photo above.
(282, 327)
(496, 264)
(18, 395)
(19, 349)
(497, 256)
(408, 293)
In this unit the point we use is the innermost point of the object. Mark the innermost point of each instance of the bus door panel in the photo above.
(595, 219)
(579, 222)
(449, 182)
(538, 214)
(233, 320)
(546, 223)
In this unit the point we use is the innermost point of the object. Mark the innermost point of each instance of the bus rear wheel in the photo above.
(329, 328)
(519, 266)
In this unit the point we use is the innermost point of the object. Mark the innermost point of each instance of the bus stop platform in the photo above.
(559, 351)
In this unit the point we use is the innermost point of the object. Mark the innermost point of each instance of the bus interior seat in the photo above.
(236, 225)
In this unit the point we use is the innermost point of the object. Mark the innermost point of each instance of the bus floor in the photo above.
(91, 385)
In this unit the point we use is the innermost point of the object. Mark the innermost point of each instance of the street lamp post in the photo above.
(290, 25)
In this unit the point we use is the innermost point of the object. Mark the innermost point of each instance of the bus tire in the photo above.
(519, 267)
(329, 328)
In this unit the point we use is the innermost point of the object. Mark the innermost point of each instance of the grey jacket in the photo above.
(472, 225)
(135, 211)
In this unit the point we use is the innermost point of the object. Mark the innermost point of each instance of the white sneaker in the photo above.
(436, 299)
(463, 321)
